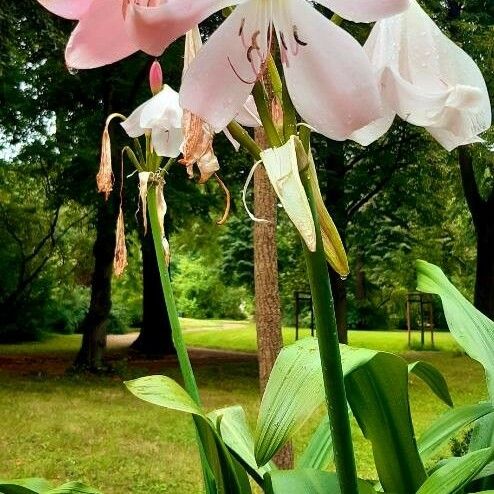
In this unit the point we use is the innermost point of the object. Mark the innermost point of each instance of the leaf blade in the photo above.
(456, 473)
(433, 378)
(473, 331)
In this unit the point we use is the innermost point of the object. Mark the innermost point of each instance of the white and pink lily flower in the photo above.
(427, 80)
(329, 77)
(161, 118)
(109, 30)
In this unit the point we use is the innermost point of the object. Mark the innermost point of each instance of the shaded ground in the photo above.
(209, 341)
(56, 363)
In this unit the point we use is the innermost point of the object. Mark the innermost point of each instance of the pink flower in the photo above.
(155, 77)
(427, 80)
(109, 30)
(328, 75)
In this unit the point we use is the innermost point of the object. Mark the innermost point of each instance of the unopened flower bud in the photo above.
(155, 77)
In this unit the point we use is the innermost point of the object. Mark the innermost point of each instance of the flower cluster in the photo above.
(339, 88)
(407, 67)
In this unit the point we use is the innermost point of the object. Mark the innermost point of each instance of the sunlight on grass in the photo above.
(241, 336)
(91, 429)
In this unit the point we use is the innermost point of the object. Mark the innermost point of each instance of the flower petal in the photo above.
(365, 10)
(376, 129)
(328, 74)
(132, 125)
(281, 165)
(69, 9)
(99, 38)
(154, 27)
(162, 109)
(166, 141)
(428, 80)
(248, 116)
(219, 80)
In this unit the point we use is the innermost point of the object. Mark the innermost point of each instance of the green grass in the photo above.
(242, 336)
(93, 430)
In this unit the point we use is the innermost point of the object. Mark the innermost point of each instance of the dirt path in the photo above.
(118, 354)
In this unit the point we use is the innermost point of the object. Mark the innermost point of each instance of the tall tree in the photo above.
(267, 295)
(472, 25)
(351, 178)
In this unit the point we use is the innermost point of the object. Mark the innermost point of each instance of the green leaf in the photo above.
(457, 473)
(378, 395)
(448, 424)
(42, 486)
(319, 452)
(164, 392)
(73, 488)
(473, 331)
(433, 378)
(306, 481)
(482, 434)
(25, 486)
(294, 391)
(236, 434)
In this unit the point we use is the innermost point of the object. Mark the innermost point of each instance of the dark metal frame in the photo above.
(426, 309)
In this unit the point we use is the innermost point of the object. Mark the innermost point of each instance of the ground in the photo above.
(71, 427)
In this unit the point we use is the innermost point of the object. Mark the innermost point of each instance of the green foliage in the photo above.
(41, 486)
(202, 291)
(449, 424)
(302, 481)
(456, 473)
(224, 476)
(472, 330)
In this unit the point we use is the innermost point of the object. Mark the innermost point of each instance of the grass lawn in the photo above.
(240, 335)
(92, 429)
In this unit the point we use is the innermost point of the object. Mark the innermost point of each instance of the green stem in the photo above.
(289, 115)
(177, 336)
(265, 115)
(329, 350)
(304, 135)
(244, 139)
(275, 78)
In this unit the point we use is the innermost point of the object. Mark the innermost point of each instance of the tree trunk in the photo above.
(95, 323)
(155, 337)
(334, 198)
(267, 296)
(338, 286)
(484, 279)
(482, 211)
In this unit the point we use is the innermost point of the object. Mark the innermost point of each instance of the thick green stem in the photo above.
(289, 115)
(244, 139)
(259, 94)
(275, 78)
(178, 339)
(329, 350)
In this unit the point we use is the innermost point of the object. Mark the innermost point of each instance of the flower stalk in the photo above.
(329, 349)
(265, 115)
(177, 336)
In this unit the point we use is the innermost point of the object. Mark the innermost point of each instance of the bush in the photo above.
(202, 294)
(365, 315)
